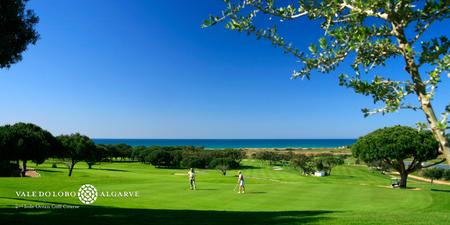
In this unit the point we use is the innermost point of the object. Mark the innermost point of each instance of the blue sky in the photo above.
(145, 69)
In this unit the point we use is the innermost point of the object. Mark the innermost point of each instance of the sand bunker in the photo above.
(31, 172)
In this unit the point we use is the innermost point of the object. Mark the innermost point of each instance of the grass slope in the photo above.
(352, 195)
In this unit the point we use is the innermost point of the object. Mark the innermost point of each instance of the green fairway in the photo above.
(351, 195)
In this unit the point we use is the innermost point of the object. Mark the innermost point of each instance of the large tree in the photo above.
(96, 156)
(367, 34)
(17, 30)
(25, 142)
(394, 145)
(76, 148)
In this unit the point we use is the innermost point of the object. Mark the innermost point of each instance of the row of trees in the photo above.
(306, 164)
(274, 157)
(27, 142)
(24, 142)
(187, 157)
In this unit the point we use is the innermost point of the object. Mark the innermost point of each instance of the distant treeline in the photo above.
(173, 156)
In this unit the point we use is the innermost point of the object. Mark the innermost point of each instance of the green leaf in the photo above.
(313, 49)
(323, 43)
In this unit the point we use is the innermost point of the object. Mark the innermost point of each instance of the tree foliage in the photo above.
(17, 30)
(308, 164)
(433, 174)
(393, 145)
(327, 162)
(76, 148)
(273, 157)
(25, 142)
(224, 164)
(304, 164)
(367, 34)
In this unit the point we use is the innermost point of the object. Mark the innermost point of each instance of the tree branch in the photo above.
(433, 164)
(425, 27)
(368, 11)
(412, 166)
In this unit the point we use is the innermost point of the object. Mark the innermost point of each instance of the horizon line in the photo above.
(102, 138)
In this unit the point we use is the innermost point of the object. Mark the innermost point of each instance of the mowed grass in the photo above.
(351, 195)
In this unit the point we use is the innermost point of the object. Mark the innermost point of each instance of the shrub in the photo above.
(8, 169)
(446, 174)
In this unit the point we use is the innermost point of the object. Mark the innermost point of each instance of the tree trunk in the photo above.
(427, 108)
(24, 168)
(421, 92)
(403, 174)
(71, 168)
(403, 179)
(89, 165)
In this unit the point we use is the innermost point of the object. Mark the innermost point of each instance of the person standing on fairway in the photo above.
(191, 175)
(241, 183)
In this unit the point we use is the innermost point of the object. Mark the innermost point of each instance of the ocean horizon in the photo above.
(232, 143)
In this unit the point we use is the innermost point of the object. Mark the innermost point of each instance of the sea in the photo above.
(234, 143)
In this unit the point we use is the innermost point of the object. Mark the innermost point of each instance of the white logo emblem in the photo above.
(87, 194)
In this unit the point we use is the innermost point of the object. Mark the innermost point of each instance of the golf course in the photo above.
(353, 194)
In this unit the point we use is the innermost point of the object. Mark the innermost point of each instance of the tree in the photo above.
(193, 162)
(393, 145)
(92, 157)
(223, 164)
(327, 162)
(304, 163)
(25, 142)
(433, 174)
(76, 148)
(160, 158)
(17, 31)
(367, 33)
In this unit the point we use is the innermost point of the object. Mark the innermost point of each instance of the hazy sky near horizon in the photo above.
(145, 69)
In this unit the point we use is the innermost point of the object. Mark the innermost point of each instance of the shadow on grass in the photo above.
(255, 192)
(113, 170)
(242, 167)
(111, 216)
(49, 171)
(338, 176)
(438, 190)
